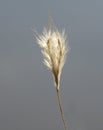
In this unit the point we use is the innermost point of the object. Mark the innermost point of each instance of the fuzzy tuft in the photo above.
(54, 49)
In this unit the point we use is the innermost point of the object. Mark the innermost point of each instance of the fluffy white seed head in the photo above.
(54, 49)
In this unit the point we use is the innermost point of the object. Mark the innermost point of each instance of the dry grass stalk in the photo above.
(54, 49)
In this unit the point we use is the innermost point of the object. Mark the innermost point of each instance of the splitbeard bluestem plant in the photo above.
(53, 46)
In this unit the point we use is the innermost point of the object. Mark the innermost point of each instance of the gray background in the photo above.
(27, 95)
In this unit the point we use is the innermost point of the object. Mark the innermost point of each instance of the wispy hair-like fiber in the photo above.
(54, 50)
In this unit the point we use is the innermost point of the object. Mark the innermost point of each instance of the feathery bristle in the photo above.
(54, 50)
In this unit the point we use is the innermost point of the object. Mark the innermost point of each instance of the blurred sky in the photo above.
(27, 95)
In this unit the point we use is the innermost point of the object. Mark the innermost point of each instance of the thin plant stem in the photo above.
(54, 50)
(61, 110)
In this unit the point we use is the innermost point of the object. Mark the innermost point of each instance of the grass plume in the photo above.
(54, 49)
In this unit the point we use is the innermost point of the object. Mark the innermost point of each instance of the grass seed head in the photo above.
(54, 49)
